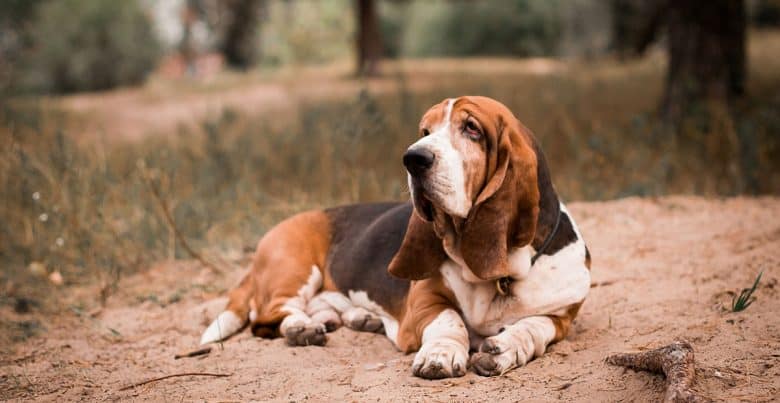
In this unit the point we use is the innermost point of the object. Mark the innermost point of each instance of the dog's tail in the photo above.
(235, 316)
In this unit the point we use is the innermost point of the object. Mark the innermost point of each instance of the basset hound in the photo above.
(485, 258)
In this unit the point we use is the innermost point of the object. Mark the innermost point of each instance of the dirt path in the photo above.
(662, 269)
(163, 107)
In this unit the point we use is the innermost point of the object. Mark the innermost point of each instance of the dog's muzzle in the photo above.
(418, 162)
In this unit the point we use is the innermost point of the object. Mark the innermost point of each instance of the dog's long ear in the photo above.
(421, 253)
(505, 213)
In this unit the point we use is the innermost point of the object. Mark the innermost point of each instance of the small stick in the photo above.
(173, 376)
(202, 351)
(675, 361)
(169, 219)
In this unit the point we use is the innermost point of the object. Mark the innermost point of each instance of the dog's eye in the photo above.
(472, 129)
(425, 132)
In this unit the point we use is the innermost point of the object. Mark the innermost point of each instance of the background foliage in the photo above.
(509, 28)
(87, 45)
(55, 46)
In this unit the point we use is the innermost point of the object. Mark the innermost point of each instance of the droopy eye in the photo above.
(425, 132)
(472, 129)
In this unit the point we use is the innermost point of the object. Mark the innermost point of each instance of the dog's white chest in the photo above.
(549, 286)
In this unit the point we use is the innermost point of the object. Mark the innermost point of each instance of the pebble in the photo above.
(37, 269)
(56, 278)
(374, 367)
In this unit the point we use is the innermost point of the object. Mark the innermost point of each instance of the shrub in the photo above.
(306, 32)
(88, 45)
(460, 28)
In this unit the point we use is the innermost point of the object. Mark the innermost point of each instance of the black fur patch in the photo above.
(563, 236)
(364, 239)
(549, 207)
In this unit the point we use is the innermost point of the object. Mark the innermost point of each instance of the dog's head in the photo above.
(473, 180)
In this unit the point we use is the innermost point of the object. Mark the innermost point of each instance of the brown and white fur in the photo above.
(425, 273)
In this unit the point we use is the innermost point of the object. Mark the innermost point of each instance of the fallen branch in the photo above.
(172, 224)
(202, 351)
(135, 385)
(675, 361)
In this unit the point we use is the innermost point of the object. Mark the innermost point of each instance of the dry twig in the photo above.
(169, 219)
(602, 284)
(135, 385)
(202, 351)
(675, 361)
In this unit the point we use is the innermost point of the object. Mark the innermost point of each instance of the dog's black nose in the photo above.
(417, 161)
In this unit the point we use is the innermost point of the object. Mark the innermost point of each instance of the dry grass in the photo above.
(84, 209)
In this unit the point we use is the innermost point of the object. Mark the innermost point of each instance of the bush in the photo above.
(306, 32)
(467, 28)
(88, 45)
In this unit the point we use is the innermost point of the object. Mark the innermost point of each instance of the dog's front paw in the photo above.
(440, 359)
(494, 357)
(312, 334)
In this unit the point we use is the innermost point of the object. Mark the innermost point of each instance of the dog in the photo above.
(484, 259)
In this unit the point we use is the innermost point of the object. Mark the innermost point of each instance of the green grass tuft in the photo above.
(745, 298)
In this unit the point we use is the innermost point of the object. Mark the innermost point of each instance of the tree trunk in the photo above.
(187, 48)
(369, 39)
(239, 46)
(706, 47)
(636, 24)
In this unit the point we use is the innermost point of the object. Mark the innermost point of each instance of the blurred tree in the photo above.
(635, 25)
(484, 28)
(307, 32)
(392, 21)
(705, 45)
(14, 15)
(87, 45)
(191, 12)
(584, 27)
(369, 38)
(766, 13)
(240, 41)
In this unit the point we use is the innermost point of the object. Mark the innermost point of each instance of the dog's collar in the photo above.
(502, 284)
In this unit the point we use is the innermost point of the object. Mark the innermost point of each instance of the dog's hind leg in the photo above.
(235, 316)
(274, 306)
(285, 276)
(298, 328)
(326, 308)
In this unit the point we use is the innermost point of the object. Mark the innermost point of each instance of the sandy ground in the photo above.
(663, 269)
